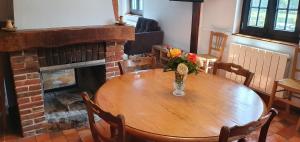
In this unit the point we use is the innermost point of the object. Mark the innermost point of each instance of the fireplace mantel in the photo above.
(58, 37)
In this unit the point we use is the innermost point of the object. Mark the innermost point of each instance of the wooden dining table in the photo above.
(152, 112)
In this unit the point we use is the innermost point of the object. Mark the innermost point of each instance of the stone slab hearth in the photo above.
(23, 47)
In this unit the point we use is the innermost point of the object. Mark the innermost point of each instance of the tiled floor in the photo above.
(282, 129)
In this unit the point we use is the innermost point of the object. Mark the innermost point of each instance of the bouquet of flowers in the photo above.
(183, 64)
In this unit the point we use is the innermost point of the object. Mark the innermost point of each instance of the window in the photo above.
(274, 19)
(136, 7)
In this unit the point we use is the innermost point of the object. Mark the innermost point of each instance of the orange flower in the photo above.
(192, 58)
(174, 52)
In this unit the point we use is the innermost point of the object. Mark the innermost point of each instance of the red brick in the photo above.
(29, 133)
(109, 54)
(27, 82)
(38, 120)
(19, 77)
(31, 105)
(23, 101)
(38, 108)
(22, 89)
(24, 112)
(27, 94)
(35, 87)
(28, 128)
(18, 66)
(27, 123)
(17, 59)
(40, 126)
(36, 98)
(33, 76)
(38, 114)
(113, 69)
(109, 65)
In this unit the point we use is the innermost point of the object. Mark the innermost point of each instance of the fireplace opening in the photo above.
(65, 73)
(64, 108)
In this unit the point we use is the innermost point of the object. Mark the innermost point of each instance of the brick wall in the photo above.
(114, 53)
(25, 67)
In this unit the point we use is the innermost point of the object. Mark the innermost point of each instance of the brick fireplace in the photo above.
(27, 61)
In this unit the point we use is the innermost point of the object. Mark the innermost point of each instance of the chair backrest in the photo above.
(295, 68)
(116, 123)
(146, 25)
(239, 132)
(237, 69)
(217, 43)
(138, 63)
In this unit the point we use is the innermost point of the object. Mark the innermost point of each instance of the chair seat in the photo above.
(208, 57)
(290, 85)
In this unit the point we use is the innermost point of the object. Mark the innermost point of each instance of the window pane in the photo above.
(253, 17)
(294, 4)
(134, 4)
(291, 21)
(141, 7)
(283, 3)
(264, 3)
(280, 20)
(255, 3)
(261, 17)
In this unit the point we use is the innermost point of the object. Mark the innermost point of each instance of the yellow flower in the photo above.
(182, 69)
(174, 52)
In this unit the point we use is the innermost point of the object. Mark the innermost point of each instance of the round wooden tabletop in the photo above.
(151, 111)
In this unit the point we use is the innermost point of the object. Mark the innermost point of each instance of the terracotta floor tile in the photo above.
(288, 132)
(27, 139)
(295, 139)
(276, 138)
(43, 138)
(58, 137)
(72, 135)
(86, 135)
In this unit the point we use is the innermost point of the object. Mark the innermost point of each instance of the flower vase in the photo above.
(179, 84)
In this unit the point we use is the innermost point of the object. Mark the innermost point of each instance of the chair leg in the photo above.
(272, 97)
(207, 66)
(298, 125)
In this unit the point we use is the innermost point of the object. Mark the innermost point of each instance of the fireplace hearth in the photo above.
(93, 52)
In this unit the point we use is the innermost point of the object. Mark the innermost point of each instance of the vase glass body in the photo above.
(179, 84)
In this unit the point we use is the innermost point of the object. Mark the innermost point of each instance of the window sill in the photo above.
(289, 44)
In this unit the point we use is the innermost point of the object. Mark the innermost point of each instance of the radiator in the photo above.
(268, 66)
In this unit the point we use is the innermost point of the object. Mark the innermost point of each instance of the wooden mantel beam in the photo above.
(59, 37)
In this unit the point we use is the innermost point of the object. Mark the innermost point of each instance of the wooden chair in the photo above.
(240, 132)
(138, 63)
(291, 87)
(110, 128)
(217, 44)
(237, 69)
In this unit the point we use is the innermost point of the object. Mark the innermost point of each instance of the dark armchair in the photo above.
(147, 34)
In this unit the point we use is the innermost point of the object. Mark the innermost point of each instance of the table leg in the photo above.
(272, 97)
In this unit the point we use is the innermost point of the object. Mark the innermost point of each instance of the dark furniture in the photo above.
(138, 63)
(3, 114)
(240, 132)
(147, 34)
(237, 69)
(110, 128)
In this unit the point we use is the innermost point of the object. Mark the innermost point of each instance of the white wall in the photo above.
(174, 18)
(31, 14)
